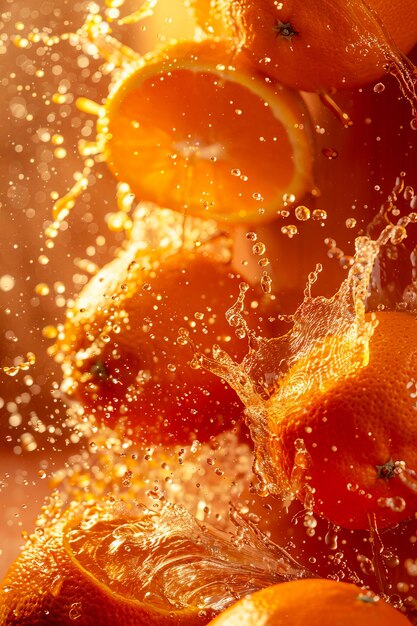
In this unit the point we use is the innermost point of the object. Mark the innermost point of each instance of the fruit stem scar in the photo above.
(387, 470)
(284, 30)
(99, 369)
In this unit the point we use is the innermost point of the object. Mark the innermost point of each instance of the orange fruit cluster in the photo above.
(206, 129)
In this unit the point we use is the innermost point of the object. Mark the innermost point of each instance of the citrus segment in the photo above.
(357, 435)
(314, 602)
(191, 132)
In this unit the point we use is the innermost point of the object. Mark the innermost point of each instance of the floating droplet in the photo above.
(379, 87)
(330, 153)
(259, 248)
(291, 230)
(398, 234)
(319, 214)
(42, 289)
(266, 282)
(302, 213)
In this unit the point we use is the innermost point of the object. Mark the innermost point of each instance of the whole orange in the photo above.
(358, 435)
(321, 46)
(315, 602)
(128, 341)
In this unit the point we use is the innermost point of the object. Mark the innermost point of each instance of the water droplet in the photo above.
(398, 234)
(330, 153)
(319, 214)
(259, 248)
(266, 282)
(42, 289)
(75, 611)
(302, 213)
(350, 222)
(365, 564)
(291, 230)
(331, 539)
(11, 371)
(379, 87)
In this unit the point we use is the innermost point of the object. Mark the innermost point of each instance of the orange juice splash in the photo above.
(140, 526)
(96, 30)
(166, 560)
(328, 341)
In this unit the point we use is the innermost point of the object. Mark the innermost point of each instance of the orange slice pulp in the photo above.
(189, 130)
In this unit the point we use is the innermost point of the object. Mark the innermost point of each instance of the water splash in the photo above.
(328, 341)
(171, 560)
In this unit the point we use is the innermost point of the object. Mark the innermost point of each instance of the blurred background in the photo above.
(40, 129)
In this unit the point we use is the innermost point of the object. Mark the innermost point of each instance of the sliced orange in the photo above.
(190, 130)
(77, 568)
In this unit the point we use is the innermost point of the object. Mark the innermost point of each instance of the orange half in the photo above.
(55, 581)
(189, 131)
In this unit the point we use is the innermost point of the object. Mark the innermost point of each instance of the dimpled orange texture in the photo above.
(311, 602)
(183, 129)
(321, 46)
(356, 431)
